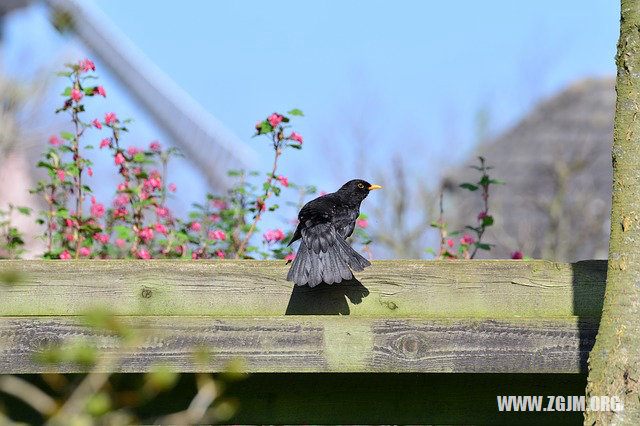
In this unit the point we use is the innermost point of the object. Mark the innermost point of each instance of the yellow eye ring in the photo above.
(360, 185)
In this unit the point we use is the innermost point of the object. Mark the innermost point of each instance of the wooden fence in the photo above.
(535, 320)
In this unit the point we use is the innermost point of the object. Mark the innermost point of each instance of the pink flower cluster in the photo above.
(273, 235)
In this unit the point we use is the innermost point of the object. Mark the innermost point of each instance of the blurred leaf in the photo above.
(295, 111)
(487, 221)
(67, 136)
(468, 186)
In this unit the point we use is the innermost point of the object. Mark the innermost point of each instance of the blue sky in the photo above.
(408, 77)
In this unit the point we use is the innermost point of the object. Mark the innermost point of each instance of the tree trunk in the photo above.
(614, 362)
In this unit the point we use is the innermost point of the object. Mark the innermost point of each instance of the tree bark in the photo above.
(614, 362)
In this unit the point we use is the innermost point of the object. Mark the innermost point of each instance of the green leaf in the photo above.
(469, 186)
(484, 181)
(295, 111)
(64, 74)
(497, 182)
(487, 221)
(123, 232)
(24, 210)
(483, 246)
(294, 146)
(66, 135)
(67, 92)
(139, 157)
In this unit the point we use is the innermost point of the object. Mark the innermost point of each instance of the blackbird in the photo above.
(324, 225)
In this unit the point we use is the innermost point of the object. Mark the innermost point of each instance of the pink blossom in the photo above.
(194, 255)
(90, 171)
(103, 238)
(517, 255)
(482, 215)
(119, 242)
(173, 187)
(86, 65)
(85, 251)
(76, 95)
(119, 159)
(273, 235)
(146, 234)
(97, 210)
(162, 211)
(93, 199)
(137, 171)
(143, 254)
(214, 218)
(159, 227)
(153, 182)
(362, 223)
(154, 146)
(450, 243)
(69, 237)
(220, 254)
(295, 137)
(220, 204)
(323, 193)
(290, 256)
(65, 255)
(283, 180)
(97, 125)
(122, 187)
(217, 235)
(467, 239)
(120, 212)
(60, 174)
(121, 199)
(68, 222)
(110, 118)
(100, 91)
(275, 119)
(195, 226)
(53, 140)
(105, 142)
(132, 151)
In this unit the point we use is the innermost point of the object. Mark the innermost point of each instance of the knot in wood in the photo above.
(146, 293)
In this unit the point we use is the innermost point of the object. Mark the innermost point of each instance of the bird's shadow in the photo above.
(325, 299)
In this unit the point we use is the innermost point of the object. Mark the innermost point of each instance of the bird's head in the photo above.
(357, 189)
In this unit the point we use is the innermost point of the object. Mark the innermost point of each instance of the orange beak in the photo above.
(372, 187)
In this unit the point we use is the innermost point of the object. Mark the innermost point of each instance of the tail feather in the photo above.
(330, 266)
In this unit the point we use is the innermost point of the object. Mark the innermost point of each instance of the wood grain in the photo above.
(311, 344)
(498, 288)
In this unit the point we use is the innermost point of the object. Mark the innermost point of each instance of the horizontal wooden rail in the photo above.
(405, 316)
(483, 288)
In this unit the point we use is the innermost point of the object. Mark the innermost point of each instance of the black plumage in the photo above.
(324, 225)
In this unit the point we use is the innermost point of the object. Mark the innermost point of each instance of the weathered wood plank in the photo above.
(314, 344)
(498, 288)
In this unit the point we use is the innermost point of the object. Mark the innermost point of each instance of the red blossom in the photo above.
(146, 234)
(90, 171)
(517, 255)
(220, 254)
(482, 215)
(283, 180)
(220, 204)
(173, 187)
(119, 159)
(450, 243)
(362, 223)
(194, 255)
(65, 255)
(61, 174)
(69, 237)
(217, 235)
(110, 118)
(132, 151)
(86, 65)
(97, 210)
(100, 91)
(162, 211)
(273, 235)
(467, 239)
(195, 226)
(160, 228)
(85, 251)
(76, 95)
(97, 125)
(143, 254)
(53, 140)
(290, 256)
(295, 137)
(119, 242)
(275, 119)
(154, 146)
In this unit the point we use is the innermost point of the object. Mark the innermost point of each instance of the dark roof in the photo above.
(557, 164)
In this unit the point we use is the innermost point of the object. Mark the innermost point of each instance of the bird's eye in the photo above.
(360, 185)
